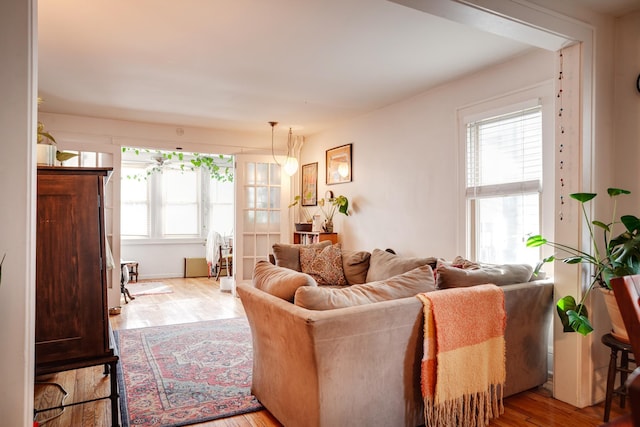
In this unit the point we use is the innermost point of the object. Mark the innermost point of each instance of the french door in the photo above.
(262, 217)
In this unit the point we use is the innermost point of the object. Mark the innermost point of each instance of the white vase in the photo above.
(619, 331)
(46, 154)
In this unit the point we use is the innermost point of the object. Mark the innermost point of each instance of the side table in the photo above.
(616, 347)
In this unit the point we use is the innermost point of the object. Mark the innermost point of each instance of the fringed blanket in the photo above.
(463, 367)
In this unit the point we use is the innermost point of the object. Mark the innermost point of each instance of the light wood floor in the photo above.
(200, 299)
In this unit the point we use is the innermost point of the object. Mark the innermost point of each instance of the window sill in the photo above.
(129, 241)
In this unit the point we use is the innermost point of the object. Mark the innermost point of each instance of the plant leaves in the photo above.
(631, 223)
(617, 191)
(573, 260)
(601, 225)
(583, 197)
(579, 323)
(535, 241)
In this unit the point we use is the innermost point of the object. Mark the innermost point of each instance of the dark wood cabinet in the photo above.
(71, 292)
(72, 321)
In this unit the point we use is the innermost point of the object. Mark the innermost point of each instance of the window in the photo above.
(163, 195)
(504, 184)
(134, 202)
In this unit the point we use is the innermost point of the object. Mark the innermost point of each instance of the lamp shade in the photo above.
(291, 165)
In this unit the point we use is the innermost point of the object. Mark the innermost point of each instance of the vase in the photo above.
(46, 154)
(619, 331)
(328, 226)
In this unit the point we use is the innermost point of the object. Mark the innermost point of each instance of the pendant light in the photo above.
(291, 163)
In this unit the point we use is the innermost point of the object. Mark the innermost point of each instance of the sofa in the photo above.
(359, 363)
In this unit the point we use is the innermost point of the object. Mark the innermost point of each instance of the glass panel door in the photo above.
(262, 194)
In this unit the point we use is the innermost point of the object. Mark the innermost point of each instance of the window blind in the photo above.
(504, 154)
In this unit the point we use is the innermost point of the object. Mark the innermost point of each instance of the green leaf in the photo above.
(617, 191)
(573, 260)
(631, 222)
(583, 197)
(601, 225)
(579, 323)
(574, 317)
(535, 241)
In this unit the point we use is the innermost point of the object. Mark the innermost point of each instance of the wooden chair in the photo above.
(627, 292)
(225, 260)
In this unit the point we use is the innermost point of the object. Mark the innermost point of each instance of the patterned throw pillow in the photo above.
(323, 264)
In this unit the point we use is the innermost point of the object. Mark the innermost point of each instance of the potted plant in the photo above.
(46, 144)
(333, 205)
(306, 220)
(610, 257)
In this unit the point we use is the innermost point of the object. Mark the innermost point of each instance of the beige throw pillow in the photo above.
(355, 265)
(279, 281)
(404, 285)
(384, 264)
(287, 255)
(449, 276)
(323, 264)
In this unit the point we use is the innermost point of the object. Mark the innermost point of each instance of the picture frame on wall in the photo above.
(310, 184)
(339, 164)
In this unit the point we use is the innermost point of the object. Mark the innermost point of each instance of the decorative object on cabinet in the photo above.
(310, 184)
(72, 326)
(339, 164)
(333, 204)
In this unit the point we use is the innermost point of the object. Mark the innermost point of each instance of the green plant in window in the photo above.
(219, 167)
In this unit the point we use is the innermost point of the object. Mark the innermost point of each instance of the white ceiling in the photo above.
(237, 64)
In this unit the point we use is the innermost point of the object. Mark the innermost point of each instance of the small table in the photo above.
(616, 347)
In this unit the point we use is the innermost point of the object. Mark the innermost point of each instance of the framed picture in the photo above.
(339, 164)
(310, 184)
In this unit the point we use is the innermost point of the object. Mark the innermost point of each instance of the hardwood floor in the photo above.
(196, 299)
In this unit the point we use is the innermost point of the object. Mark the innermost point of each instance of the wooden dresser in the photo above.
(72, 323)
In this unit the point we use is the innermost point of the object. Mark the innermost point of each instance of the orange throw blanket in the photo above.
(463, 367)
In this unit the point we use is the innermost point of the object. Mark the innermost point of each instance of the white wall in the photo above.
(406, 187)
(17, 215)
(626, 117)
(156, 261)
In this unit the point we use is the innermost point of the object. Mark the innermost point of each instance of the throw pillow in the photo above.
(449, 276)
(279, 281)
(384, 265)
(404, 285)
(323, 264)
(288, 255)
(355, 265)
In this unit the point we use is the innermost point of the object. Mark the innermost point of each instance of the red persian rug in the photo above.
(179, 375)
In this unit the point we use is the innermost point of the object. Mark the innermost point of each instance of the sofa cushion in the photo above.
(279, 281)
(451, 276)
(404, 285)
(323, 264)
(355, 265)
(288, 256)
(384, 265)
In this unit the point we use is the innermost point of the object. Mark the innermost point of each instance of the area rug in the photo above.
(178, 375)
(148, 288)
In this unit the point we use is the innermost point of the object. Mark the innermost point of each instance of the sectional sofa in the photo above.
(350, 354)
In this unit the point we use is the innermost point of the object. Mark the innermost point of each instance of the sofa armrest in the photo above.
(529, 308)
(308, 363)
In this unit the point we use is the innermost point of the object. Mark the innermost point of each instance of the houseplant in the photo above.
(305, 219)
(610, 257)
(333, 205)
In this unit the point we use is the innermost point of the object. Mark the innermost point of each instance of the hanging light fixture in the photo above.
(291, 163)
